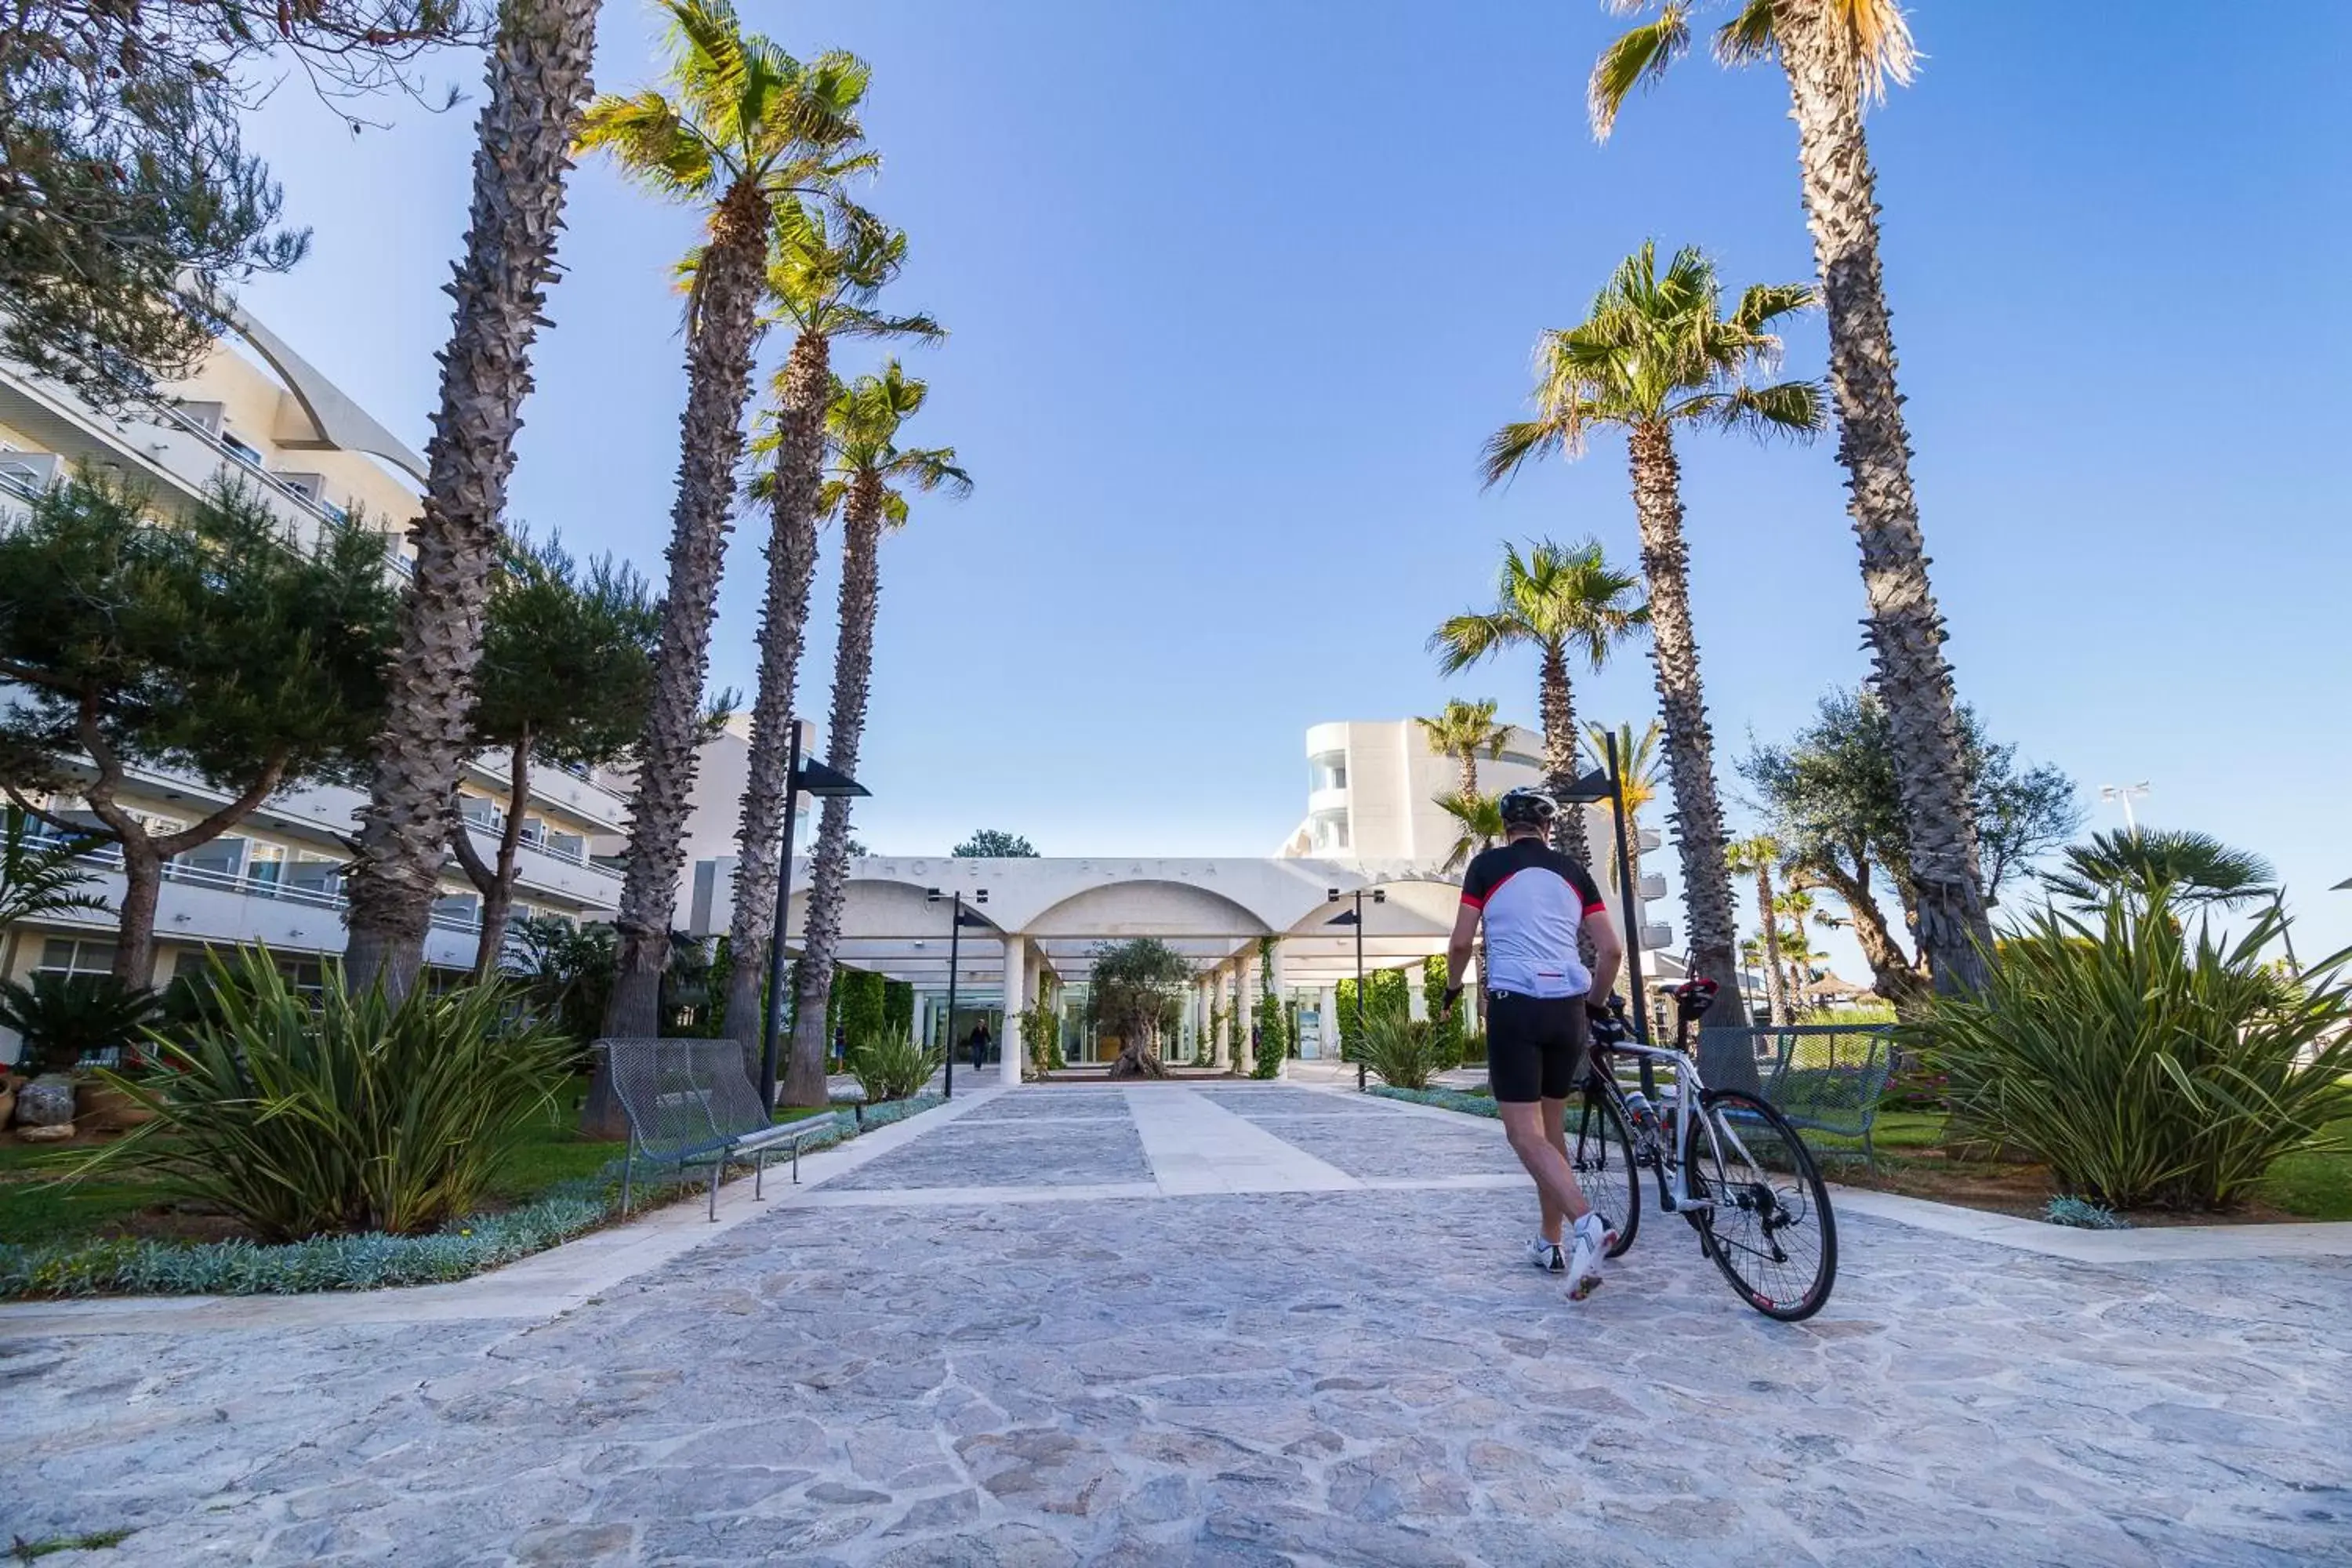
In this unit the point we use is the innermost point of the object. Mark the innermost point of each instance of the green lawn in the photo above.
(33, 1210)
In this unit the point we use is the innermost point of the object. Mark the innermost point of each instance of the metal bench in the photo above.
(1827, 1078)
(689, 1103)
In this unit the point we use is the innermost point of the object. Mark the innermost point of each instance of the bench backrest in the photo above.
(1826, 1076)
(682, 1094)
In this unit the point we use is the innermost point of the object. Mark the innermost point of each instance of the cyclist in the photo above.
(1533, 900)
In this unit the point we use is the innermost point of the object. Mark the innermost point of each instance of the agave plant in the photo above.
(353, 1113)
(2145, 1065)
(888, 1065)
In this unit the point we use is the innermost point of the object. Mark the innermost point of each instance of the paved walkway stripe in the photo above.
(1197, 1146)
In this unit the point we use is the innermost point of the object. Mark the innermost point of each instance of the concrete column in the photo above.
(923, 1019)
(1017, 980)
(1416, 1000)
(1278, 986)
(1329, 1005)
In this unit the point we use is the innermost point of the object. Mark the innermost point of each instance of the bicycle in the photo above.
(1735, 1171)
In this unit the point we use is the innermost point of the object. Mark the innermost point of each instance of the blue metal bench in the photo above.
(1827, 1078)
(689, 1103)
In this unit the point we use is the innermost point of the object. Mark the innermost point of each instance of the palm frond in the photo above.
(928, 468)
(1762, 304)
(1792, 408)
(1747, 37)
(1640, 58)
(652, 143)
(1461, 641)
(1513, 446)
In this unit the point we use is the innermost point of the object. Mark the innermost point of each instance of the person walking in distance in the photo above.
(1533, 900)
(978, 1045)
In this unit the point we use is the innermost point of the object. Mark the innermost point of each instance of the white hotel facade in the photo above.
(258, 412)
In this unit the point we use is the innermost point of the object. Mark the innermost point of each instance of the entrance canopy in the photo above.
(1059, 911)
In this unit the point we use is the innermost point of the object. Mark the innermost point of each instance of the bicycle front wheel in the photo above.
(1769, 1229)
(1602, 1151)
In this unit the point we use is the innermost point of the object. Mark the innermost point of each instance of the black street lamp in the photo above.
(1355, 917)
(817, 779)
(963, 918)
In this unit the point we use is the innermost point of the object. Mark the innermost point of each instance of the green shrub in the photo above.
(2145, 1067)
(889, 1065)
(66, 1017)
(459, 1250)
(344, 1115)
(1406, 1054)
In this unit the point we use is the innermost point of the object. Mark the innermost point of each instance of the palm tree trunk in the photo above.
(853, 674)
(537, 85)
(1907, 630)
(791, 565)
(1556, 701)
(1697, 815)
(1776, 989)
(495, 882)
(719, 382)
(1469, 774)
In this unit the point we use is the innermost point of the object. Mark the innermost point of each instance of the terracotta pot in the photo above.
(100, 1106)
(7, 1100)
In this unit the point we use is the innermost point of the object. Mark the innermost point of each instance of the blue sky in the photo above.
(1237, 289)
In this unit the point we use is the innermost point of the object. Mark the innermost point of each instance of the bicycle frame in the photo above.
(1690, 1090)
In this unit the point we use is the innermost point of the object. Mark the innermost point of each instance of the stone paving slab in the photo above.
(1271, 1101)
(1360, 1376)
(1401, 1145)
(1002, 1154)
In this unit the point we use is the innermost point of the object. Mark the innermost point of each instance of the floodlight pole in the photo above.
(783, 917)
(955, 942)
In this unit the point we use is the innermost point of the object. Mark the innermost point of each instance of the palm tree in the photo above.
(1759, 854)
(537, 85)
(41, 875)
(1794, 905)
(1659, 351)
(1480, 820)
(1462, 730)
(746, 127)
(825, 271)
(870, 475)
(2192, 869)
(1638, 760)
(1838, 54)
(1558, 601)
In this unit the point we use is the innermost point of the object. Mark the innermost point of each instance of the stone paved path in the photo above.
(1041, 1333)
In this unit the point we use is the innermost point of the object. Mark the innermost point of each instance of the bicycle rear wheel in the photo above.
(1601, 1151)
(1770, 1230)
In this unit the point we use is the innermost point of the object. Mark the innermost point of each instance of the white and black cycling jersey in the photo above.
(1533, 900)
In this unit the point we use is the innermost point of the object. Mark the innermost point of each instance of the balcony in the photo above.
(1657, 937)
(1652, 886)
(1646, 839)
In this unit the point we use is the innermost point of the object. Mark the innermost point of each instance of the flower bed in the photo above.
(370, 1262)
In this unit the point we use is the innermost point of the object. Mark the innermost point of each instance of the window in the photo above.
(462, 911)
(1328, 771)
(250, 453)
(482, 812)
(1330, 830)
(306, 975)
(313, 875)
(222, 860)
(72, 955)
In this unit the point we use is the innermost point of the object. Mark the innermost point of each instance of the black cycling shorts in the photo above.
(1535, 1047)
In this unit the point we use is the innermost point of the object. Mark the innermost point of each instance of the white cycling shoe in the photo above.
(1588, 1246)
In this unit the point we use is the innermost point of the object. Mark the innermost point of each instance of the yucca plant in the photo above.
(2146, 1066)
(1406, 1052)
(888, 1065)
(346, 1114)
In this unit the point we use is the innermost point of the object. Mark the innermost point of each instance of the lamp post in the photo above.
(817, 779)
(955, 949)
(1355, 917)
(2122, 795)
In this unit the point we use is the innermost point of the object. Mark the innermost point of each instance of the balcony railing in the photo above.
(327, 895)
